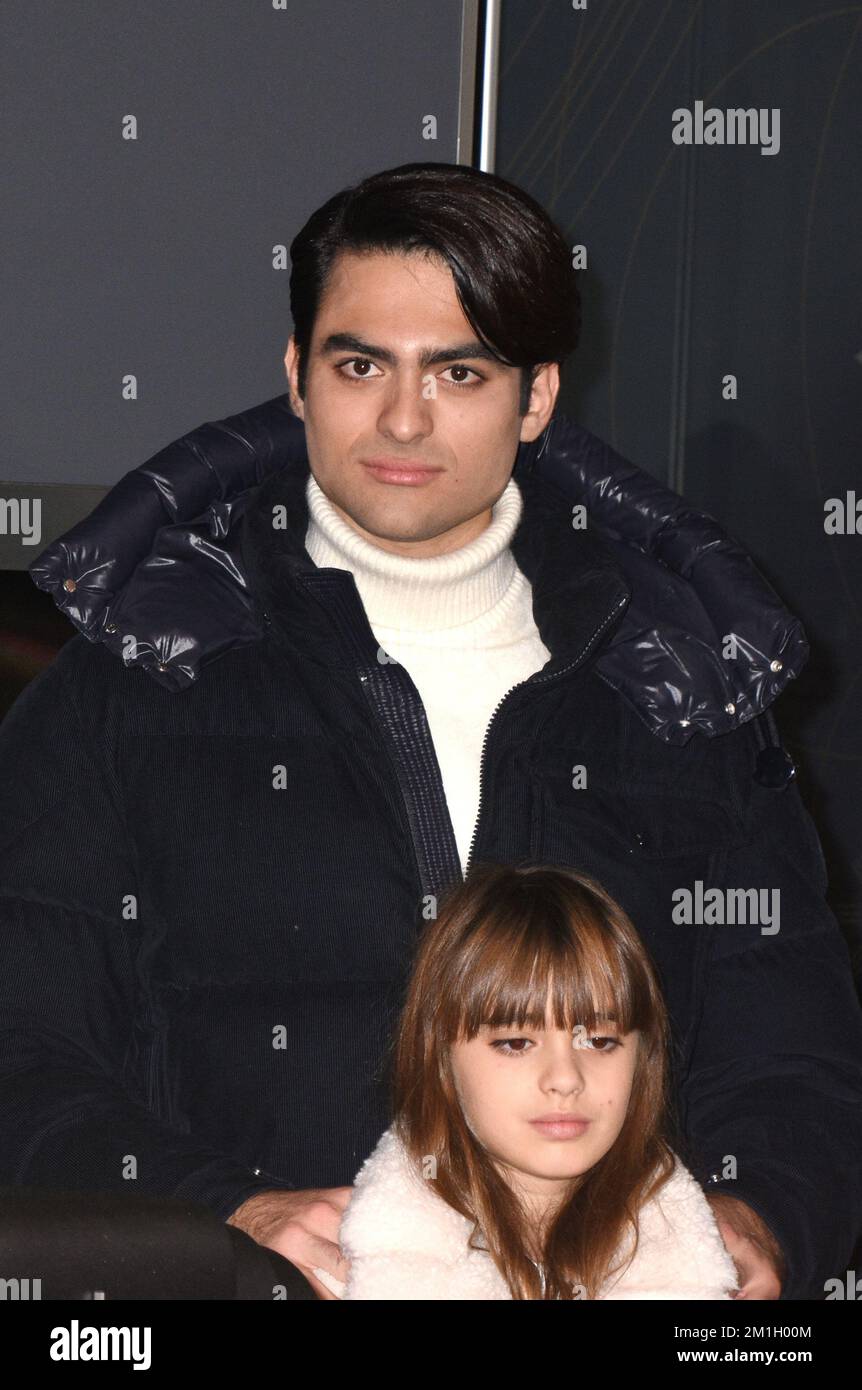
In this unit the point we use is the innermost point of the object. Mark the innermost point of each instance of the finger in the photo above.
(328, 1255)
(756, 1271)
(321, 1220)
(759, 1287)
(306, 1249)
(339, 1195)
(762, 1290)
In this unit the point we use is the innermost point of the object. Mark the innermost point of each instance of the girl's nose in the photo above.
(565, 1066)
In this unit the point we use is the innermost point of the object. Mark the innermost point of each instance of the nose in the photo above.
(564, 1070)
(405, 412)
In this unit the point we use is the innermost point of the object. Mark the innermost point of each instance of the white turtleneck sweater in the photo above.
(461, 625)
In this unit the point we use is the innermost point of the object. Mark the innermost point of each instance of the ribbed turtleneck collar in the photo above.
(442, 592)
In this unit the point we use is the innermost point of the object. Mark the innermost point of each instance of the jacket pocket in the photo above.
(666, 825)
(641, 823)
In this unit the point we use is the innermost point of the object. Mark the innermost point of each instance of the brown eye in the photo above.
(352, 362)
(505, 1045)
(459, 367)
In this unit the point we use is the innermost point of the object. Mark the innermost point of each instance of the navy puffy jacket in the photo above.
(167, 912)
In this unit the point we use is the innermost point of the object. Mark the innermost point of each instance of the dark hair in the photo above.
(507, 941)
(512, 268)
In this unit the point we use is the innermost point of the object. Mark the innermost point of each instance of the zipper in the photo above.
(535, 679)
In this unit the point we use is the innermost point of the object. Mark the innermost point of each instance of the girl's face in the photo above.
(510, 1080)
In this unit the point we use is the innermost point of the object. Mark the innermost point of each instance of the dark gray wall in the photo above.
(715, 259)
(154, 256)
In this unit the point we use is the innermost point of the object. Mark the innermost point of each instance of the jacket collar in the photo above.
(579, 592)
(398, 1233)
(704, 643)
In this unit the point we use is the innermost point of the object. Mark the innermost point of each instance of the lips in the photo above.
(394, 474)
(565, 1127)
(400, 474)
(399, 464)
(559, 1115)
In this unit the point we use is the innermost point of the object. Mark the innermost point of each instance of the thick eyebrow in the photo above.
(429, 357)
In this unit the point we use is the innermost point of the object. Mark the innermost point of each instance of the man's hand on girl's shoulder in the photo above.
(301, 1226)
(758, 1257)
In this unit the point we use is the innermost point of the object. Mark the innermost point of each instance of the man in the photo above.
(213, 881)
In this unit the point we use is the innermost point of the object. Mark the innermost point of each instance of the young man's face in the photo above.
(375, 399)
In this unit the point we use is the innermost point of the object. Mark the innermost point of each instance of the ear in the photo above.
(543, 398)
(291, 367)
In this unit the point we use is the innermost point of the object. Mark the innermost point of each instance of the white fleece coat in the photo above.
(404, 1242)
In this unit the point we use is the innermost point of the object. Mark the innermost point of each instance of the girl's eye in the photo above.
(509, 1049)
(504, 1045)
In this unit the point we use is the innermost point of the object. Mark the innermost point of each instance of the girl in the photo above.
(527, 1158)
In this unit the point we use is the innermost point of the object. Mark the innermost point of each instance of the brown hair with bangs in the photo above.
(509, 944)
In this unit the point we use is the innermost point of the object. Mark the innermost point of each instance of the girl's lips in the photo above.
(560, 1129)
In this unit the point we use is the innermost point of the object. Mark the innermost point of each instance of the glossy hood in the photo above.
(704, 644)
